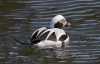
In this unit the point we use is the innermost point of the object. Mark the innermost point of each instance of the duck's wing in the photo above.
(36, 33)
(43, 34)
(48, 34)
(64, 38)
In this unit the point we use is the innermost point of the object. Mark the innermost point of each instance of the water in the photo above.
(21, 18)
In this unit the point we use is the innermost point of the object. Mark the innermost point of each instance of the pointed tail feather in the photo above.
(20, 42)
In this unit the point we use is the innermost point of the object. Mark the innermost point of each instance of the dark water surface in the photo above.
(21, 18)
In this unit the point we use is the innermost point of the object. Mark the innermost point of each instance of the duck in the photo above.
(53, 36)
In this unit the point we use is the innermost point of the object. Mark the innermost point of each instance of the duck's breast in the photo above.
(49, 44)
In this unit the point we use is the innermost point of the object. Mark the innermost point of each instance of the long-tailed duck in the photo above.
(53, 36)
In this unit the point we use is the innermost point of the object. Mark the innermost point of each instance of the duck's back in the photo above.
(54, 34)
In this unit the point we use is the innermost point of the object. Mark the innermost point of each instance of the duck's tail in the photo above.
(20, 42)
(35, 41)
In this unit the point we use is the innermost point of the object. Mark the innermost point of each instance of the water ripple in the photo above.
(21, 20)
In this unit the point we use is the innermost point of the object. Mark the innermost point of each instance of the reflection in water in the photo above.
(21, 18)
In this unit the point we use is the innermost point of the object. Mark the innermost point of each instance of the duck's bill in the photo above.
(68, 24)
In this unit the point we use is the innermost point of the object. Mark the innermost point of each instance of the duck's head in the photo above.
(59, 22)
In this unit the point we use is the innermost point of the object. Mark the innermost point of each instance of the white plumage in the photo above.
(54, 36)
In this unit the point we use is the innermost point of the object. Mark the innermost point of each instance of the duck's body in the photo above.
(53, 36)
(49, 37)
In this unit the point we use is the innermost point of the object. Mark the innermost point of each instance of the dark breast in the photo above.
(58, 25)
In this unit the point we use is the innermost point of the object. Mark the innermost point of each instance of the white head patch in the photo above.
(58, 18)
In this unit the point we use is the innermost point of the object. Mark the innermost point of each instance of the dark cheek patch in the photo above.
(58, 25)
